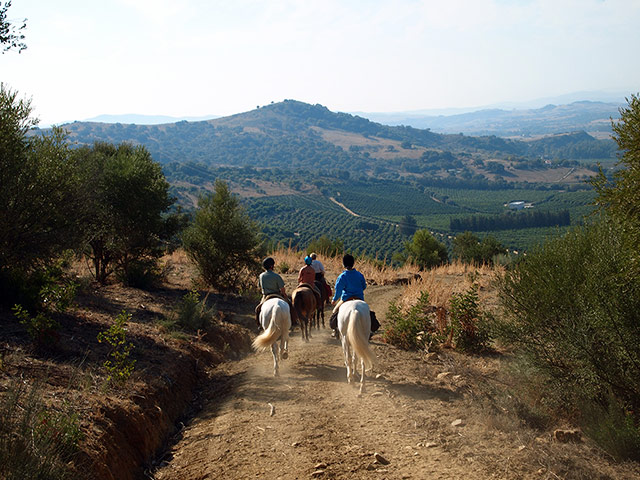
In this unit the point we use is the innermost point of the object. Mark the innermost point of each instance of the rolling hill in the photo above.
(288, 160)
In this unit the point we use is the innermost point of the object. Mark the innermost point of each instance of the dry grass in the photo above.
(374, 271)
(444, 281)
(440, 282)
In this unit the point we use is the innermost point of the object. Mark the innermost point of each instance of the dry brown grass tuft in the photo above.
(444, 281)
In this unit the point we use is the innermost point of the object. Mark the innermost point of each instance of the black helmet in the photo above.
(268, 263)
(348, 261)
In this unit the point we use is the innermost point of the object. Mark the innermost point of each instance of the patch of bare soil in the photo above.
(418, 418)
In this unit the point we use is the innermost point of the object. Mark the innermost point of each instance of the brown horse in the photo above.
(304, 301)
(324, 301)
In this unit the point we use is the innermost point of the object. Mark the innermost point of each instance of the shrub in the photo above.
(284, 267)
(573, 309)
(193, 314)
(35, 441)
(470, 330)
(142, 273)
(119, 365)
(223, 242)
(413, 329)
(43, 330)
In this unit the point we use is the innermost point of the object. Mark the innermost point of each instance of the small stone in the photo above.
(457, 423)
(430, 445)
(317, 473)
(380, 459)
(442, 375)
(521, 447)
(371, 466)
(295, 444)
(379, 376)
(320, 466)
(377, 394)
(566, 436)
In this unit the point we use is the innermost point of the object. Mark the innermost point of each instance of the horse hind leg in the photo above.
(275, 352)
(362, 377)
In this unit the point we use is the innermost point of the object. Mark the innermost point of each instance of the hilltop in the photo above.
(292, 134)
(287, 160)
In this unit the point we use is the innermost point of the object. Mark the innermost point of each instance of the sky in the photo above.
(194, 58)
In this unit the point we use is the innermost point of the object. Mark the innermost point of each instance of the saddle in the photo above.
(375, 324)
(292, 311)
(318, 297)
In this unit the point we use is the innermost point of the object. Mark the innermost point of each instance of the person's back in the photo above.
(350, 284)
(271, 283)
(307, 275)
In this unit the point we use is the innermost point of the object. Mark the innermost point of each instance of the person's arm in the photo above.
(338, 289)
(300, 275)
(281, 285)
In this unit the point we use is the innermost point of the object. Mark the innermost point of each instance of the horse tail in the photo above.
(270, 335)
(358, 338)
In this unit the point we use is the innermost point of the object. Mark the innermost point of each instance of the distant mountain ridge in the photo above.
(293, 134)
(585, 115)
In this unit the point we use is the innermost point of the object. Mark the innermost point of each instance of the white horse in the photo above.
(354, 324)
(275, 318)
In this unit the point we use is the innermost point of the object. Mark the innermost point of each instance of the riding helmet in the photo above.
(308, 260)
(268, 263)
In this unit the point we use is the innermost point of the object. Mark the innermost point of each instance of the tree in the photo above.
(465, 246)
(38, 190)
(425, 250)
(620, 196)
(10, 36)
(223, 241)
(408, 225)
(127, 197)
(325, 246)
(469, 248)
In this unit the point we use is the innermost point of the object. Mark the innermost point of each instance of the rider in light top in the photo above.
(316, 264)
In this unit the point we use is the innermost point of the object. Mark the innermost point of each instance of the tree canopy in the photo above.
(620, 196)
(425, 250)
(223, 241)
(11, 36)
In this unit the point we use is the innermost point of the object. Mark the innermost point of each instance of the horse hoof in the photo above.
(285, 355)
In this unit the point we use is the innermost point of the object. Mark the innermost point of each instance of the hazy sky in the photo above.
(220, 57)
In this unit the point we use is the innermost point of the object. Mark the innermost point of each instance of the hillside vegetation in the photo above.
(288, 160)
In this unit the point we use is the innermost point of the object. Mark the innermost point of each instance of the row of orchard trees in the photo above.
(108, 202)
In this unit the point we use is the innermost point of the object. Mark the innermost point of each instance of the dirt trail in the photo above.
(322, 428)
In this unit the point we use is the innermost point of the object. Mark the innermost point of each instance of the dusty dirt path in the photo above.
(322, 428)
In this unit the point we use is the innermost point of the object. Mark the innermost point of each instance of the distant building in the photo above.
(516, 205)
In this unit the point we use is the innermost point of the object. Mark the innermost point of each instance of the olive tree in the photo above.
(41, 213)
(620, 196)
(10, 35)
(127, 200)
(425, 250)
(223, 241)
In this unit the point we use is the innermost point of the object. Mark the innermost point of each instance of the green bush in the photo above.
(284, 267)
(43, 330)
(470, 329)
(573, 309)
(193, 314)
(223, 242)
(142, 273)
(35, 441)
(413, 329)
(119, 365)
